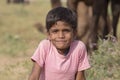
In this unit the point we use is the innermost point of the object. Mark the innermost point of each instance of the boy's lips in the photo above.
(61, 41)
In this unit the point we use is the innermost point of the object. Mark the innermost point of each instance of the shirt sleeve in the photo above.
(83, 59)
(39, 55)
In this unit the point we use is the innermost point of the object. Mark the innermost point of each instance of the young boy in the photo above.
(60, 57)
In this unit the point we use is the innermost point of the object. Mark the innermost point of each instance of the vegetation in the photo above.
(105, 62)
(19, 38)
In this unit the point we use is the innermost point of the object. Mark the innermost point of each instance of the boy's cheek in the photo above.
(50, 37)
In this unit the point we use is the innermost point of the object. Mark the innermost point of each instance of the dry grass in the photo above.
(18, 40)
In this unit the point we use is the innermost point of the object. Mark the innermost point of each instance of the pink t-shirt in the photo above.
(59, 67)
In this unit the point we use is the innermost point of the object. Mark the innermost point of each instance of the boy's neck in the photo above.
(63, 51)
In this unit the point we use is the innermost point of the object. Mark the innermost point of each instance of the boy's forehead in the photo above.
(61, 25)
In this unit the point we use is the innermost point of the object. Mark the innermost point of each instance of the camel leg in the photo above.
(55, 3)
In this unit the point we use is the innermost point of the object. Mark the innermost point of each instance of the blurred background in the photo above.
(20, 36)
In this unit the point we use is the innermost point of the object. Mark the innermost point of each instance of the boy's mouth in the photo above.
(61, 41)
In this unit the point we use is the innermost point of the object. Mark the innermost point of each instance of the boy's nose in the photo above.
(61, 34)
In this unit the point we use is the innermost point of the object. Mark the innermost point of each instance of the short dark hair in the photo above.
(61, 14)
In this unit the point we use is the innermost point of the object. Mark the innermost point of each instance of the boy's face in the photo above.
(61, 35)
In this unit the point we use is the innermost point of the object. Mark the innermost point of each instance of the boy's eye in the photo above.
(54, 31)
(66, 30)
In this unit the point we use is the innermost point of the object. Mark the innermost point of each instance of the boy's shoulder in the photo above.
(44, 43)
(78, 43)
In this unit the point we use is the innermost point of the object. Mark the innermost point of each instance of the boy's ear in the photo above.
(48, 35)
(75, 34)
